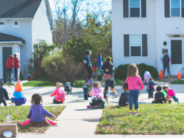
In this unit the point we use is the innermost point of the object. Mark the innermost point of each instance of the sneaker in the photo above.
(135, 113)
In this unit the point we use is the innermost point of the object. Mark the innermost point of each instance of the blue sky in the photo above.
(91, 5)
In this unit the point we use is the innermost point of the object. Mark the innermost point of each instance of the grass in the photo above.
(18, 115)
(178, 82)
(79, 83)
(153, 119)
(8, 84)
(40, 82)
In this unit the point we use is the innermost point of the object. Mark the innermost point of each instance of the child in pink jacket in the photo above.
(59, 94)
(170, 94)
(133, 81)
(96, 91)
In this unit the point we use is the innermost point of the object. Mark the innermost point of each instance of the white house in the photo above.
(22, 22)
(143, 29)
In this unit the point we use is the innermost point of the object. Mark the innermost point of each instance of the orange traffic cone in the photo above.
(179, 75)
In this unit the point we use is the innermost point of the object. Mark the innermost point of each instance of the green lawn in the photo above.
(8, 84)
(153, 119)
(178, 81)
(18, 115)
(40, 82)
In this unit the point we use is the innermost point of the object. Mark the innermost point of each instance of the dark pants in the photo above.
(99, 78)
(150, 93)
(133, 94)
(89, 73)
(175, 99)
(4, 102)
(57, 102)
(109, 83)
(9, 74)
(15, 69)
(166, 65)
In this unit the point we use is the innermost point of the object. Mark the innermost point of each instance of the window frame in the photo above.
(130, 50)
(171, 9)
(15, 25)
(140, 12)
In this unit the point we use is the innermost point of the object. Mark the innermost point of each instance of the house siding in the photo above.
(41, 26)
(122, 26)
(24, 31)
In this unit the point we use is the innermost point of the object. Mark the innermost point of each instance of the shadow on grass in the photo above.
(87, 109)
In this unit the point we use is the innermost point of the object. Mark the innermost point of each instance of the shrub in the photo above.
(62, 68)
(121, 71)
(177, 82)
(79, 83)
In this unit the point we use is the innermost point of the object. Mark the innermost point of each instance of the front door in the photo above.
(6, 52)
(176, 56)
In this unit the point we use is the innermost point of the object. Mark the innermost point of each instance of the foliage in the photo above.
(9, 84)
(18, 115)
(62, 68)
(39, 84)
(121, 71)
(79, 83)
(178, 81)
(153, 119)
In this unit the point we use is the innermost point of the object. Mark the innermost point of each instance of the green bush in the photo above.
(79, 83)
(121, 71)
(178, 82)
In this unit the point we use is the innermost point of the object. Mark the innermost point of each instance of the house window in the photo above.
(135, 45)
(1, 23)
(134, 8)
(175, 8)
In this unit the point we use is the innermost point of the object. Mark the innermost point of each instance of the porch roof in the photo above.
(10, 38)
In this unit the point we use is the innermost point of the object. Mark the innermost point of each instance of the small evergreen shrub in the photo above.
(121, 71)
(79, 83)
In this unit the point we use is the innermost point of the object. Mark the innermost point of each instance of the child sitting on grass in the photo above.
(170, 94)
(124, 98)
(96, 91)
(59, 94)
(165, 95)
(134, 80)
(37, 113)
(3, 94)
(159, 96)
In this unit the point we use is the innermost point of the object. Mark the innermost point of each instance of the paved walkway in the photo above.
(76, 120)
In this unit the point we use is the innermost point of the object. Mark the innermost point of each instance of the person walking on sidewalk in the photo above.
(134, 80)
(16, 65)
(9, 66)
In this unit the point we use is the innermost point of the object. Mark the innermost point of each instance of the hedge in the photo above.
(121, 71)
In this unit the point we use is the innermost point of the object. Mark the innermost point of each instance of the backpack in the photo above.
(123, 100)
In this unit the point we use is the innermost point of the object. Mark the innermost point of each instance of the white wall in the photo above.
(167, 26)
(24, 31)
(121, 26)
(40, 25)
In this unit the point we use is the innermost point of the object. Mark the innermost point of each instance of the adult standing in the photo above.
(9, 66)
(99, 65)
(88, 64)
(166, 60)
(16, 65)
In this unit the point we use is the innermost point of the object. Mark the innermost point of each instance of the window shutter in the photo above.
(182, 8)
(126, 45)
(167, 8)
(143, 8)
(125, 8)
(144, 45)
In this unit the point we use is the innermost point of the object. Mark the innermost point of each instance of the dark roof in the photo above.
(6, 37)
(18, 8)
